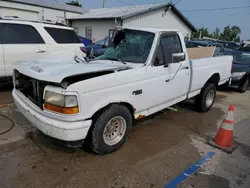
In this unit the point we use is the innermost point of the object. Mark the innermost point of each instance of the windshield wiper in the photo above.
(116, 59)
(78, 59)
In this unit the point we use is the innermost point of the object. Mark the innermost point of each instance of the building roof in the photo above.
(130, 11)
(51, 4)
(151, 29)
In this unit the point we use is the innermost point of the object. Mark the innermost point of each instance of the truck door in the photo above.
(179, 72)
(2, 67)
(21, 43)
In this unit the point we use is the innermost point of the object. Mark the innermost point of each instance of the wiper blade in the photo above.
(78, 59)
(117, 59)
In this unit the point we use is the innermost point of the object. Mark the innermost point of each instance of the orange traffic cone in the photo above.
(224, 137)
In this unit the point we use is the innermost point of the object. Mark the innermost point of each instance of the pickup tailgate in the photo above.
(204, 68)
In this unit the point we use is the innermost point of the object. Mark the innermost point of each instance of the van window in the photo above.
(20, 34)
(63, 36)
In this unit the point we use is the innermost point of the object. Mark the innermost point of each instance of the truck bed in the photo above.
(202, 69)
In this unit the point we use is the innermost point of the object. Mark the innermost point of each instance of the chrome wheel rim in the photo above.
(114, 130)
(210, 98)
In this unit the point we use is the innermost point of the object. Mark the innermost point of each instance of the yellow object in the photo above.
(62, 110)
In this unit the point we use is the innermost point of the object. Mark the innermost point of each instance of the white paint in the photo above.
(23, 14)
(158, 19)
(100, 28)
(211, 63)
(157, 94)
(31, 52)
(31, 12)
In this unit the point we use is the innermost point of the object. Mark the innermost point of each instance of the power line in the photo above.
(215, 9)
(177, 2)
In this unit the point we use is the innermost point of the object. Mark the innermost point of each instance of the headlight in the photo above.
(65, 104)
(238, 74)
(54, 98)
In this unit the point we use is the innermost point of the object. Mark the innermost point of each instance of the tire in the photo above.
(201, 100)
(243, 87)
(105, 123)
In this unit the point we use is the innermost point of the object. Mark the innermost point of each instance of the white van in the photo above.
(31, 41)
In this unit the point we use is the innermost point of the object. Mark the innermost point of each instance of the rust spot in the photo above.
(140, 117)
(4, 105)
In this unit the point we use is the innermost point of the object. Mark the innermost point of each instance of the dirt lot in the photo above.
(159, 148)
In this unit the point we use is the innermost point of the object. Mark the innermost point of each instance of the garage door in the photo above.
(22, 14)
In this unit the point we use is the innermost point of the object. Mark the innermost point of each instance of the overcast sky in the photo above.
(209, 19)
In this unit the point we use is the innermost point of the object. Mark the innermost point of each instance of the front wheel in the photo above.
(243, 87)
(110, 129)
(205, 100)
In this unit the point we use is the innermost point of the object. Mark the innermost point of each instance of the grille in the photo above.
(30, 87)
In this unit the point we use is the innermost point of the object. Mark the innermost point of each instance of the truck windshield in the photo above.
(134, 47)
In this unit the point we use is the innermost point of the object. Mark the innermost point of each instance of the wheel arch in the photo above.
(214, 79)
(126, 104)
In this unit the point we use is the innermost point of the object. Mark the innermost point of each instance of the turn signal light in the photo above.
(62, 110)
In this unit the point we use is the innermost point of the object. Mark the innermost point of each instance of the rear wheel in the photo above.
(110, 129)
(243, 87)
(205, 100)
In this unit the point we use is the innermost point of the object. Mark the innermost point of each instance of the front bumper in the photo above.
(62, 130)
(235, 81)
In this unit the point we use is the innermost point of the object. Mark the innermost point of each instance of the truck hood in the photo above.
(57, 71)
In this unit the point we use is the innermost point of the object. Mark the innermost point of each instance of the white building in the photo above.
(96, 23)
(39, 10)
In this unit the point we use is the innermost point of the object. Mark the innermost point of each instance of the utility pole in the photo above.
(103, 3)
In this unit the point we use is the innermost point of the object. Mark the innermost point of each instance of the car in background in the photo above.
(99, 52)
(32, 40)
(245, 49)
(84, 40)
(219, 50)
(240, 70)
(232, 45)
(101, 44)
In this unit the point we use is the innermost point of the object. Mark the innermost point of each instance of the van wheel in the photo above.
(110, 129)
(205, 100)
(243, 87)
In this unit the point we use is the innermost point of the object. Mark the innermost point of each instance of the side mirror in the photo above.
(177, 57)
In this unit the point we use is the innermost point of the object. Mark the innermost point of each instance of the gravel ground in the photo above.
(159, 148)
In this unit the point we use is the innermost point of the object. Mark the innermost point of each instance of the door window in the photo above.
(20, 34)
(170, 44)
(1, 33)
(159, 59)
(63, 36)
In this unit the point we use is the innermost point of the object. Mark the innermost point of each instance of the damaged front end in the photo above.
(81, 77)
(33, 88)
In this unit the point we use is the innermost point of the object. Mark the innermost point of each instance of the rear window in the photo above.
(62, 36)
(20, 34)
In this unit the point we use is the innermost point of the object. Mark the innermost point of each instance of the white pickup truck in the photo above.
(147, 70)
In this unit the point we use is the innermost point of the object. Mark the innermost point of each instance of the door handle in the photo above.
(185, 67)
(167, 80)
(40, 51)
